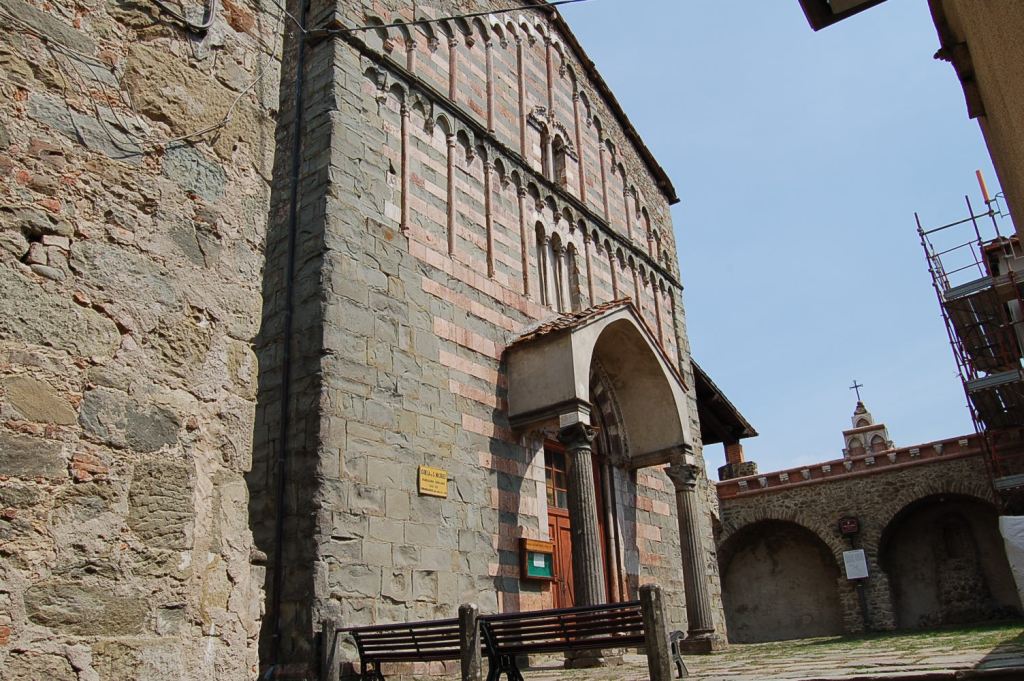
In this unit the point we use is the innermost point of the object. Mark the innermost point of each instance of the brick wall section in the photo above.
(130, 273)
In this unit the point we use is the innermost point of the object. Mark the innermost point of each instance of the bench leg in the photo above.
(503, 664)
(681, 670)
(371, 672)
(677, 654)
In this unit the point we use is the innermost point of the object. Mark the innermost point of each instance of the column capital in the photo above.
(683, 475)
(577, 436)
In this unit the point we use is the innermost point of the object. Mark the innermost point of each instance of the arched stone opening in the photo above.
(549, 376)
(550, 389)
(946, 563)
(650, 409)
(779, 582)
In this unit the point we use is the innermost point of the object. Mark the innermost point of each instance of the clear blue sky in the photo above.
(800, 159)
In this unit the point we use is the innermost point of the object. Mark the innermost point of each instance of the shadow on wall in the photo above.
(282, 484)
(946, 563)
(778, 583)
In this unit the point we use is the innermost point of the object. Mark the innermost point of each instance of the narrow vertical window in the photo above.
(560, 171)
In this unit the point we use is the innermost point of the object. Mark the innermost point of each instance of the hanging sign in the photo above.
(433, 482)
(848, 525)
(856, 564)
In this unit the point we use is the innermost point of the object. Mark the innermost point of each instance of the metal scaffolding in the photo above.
(978, 276)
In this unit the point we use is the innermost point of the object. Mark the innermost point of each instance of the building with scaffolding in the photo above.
(978, 276)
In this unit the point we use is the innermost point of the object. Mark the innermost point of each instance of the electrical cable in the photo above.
(209, 14)
(146, 143)
(208, 19)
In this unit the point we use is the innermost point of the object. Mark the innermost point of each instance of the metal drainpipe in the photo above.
(282, 440)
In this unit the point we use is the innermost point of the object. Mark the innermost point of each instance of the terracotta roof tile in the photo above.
(570, 321)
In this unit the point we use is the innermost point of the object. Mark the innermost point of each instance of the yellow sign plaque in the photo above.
(433, 482)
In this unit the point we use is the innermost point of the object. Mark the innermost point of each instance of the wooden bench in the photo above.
(408, 642)
(506, 636)
(618, 625)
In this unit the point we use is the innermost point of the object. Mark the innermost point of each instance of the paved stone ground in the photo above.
(929, 655)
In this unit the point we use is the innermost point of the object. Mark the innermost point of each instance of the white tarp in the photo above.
(1012, 529)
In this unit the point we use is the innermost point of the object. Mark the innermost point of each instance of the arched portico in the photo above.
(550, 371)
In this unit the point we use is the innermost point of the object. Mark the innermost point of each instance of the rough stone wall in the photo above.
(130, 273)
(878, 500)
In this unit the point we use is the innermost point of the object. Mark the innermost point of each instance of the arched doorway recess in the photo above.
(779, 582)
(946, 563)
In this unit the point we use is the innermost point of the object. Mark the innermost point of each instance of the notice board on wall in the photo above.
(856, 564)
(537, 559)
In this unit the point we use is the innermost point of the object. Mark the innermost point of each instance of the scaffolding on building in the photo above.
(978, 276)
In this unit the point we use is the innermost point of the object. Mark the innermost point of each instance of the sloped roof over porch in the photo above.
(549, 370)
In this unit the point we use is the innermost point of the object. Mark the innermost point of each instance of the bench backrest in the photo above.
(433, 640)
(601, 626)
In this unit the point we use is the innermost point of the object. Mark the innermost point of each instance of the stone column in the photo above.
(604, 179)
(701, 637)
(587, 566)
(452, 236)
(453, 68)
(406, 164)
(577, 120)
(489, 59)
(489, 213)
(521, 75)
(410, 56)
(655, 286)
(524, 240)
(590, 268)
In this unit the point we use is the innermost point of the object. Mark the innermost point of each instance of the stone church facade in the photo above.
(228, 360)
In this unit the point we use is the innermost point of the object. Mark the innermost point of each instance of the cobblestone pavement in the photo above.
(925, 655)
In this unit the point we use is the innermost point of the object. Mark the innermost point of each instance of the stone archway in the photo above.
(549, 386)
(946, 564)
(779, 582)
